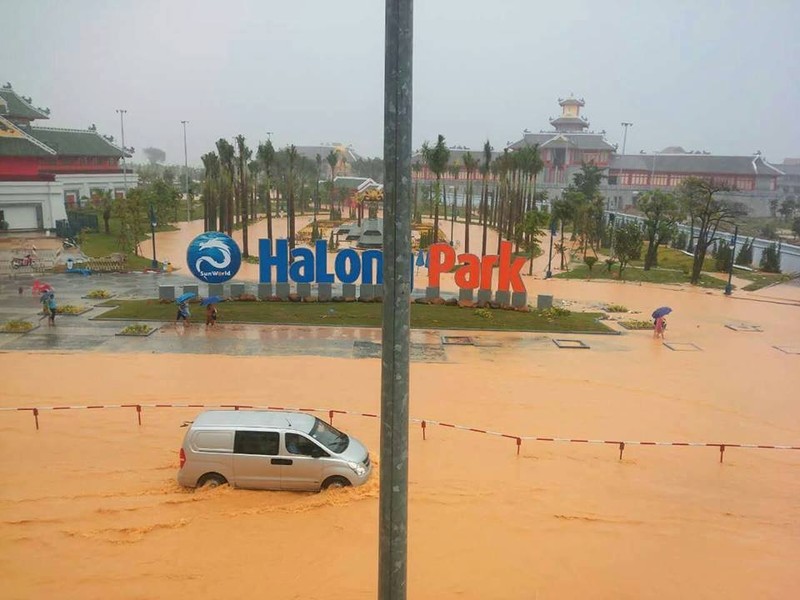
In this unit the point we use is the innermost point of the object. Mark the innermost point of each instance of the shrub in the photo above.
(246, 298)
(616, 308)
(745, 255)
(680, 241)
(590, 262)
(723, 257)
(610, 262)
(484, 313)
(771, 259)
(555, 312)
(16, 326)
(99, 294)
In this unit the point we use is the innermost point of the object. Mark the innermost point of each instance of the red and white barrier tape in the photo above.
(621, 444)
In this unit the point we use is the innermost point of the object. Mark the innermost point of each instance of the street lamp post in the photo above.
(153, 224)
(625, 134)
(186, 175)
(453, 216)
(122, 112)
(549, 273)
(729, 287)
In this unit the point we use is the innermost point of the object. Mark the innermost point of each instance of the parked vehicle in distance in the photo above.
(270, 450)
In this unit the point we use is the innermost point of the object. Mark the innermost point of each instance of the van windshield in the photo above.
(330, 437)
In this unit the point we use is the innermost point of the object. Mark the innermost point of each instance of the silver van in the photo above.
(270, 450)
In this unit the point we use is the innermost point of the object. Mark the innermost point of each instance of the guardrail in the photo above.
(423, 423)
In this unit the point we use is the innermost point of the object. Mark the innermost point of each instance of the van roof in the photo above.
(255, 418)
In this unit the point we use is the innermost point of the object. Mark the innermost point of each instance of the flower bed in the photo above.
(636, 325)
(72, 310)
(17, 326)
(137, 330)
(616, 308)
(99, 295)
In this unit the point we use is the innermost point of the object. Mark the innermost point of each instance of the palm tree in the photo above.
(210, 185)
(226, 153)
(316, 186)
(332, 160)
(243, 157)
(436, 158)
(416, 167)
(291, 155)
(485, 170)
(454, 170)
(266, 156)
(470, 166)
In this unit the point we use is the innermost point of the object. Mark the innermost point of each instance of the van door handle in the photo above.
(281, 461)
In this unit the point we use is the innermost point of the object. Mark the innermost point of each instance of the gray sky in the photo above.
(722, 76)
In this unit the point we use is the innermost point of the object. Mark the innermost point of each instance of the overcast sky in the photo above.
(722, 76)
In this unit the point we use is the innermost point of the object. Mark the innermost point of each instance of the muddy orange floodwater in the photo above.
(89, 507)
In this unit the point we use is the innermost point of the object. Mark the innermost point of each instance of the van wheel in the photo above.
(211, 480)
(336, 482)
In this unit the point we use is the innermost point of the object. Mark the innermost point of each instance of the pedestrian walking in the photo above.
(51, 307)
(659, 326)
(211, 315)
(183, 313)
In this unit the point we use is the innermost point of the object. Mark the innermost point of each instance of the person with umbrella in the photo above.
(211, 310)
(659, 322)
(183, 307)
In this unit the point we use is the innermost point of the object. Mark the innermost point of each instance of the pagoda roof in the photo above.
(694, 164)
(577, 139)
(345, 152)
(571, 102)
(15, 142)
(76, 142)
(14, 106)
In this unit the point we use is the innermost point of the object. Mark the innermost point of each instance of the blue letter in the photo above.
(323, 276)
(302, 269)
(341, 267)
(266, 261)
(368, 257)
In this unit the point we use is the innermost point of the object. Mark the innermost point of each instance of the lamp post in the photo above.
(186, 174)
(453, 216)
(549, 273)
(153, 224)
(122, 112)
(728, 286)
(625, 134)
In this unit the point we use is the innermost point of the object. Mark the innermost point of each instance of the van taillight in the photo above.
(183, 458)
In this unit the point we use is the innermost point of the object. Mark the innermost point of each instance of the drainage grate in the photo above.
(788, 349)
(457, 340)
(683, 346)
(574, 344)
(744, 327)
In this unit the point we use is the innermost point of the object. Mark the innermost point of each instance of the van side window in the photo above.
(256, 442)
(297, 444)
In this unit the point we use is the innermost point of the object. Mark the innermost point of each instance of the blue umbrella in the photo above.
(211, 300)
(184, 297)
(661, 312)
(421, 259)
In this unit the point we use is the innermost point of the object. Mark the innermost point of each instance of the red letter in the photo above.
(509, 270)
(487, 264)
(469, 276)
(442, 258)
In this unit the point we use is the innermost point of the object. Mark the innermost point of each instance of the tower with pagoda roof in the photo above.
(570, 120)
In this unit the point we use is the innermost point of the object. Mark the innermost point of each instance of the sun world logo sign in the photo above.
(213, 257)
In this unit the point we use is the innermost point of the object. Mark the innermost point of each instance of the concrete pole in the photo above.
(124, 162)
(186, 175)
(392, 549)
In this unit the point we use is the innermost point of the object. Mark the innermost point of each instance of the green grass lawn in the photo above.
(760, 279)
(638, 274)
(359, 314)
(98, 245)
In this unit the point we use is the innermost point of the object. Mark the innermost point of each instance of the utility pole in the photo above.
(625, 135)
(122, 112)
(729, 287)
(397, 268)
(186, 173)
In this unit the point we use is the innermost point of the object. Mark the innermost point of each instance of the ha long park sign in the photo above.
(280, 267)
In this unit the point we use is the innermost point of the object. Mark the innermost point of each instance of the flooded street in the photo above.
(89, 507)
